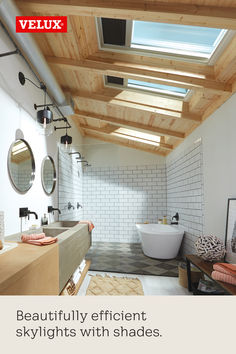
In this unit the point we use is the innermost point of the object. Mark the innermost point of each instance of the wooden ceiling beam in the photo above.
(160, 112)
(225, 67)
(185, 14)
(111, 131)
(156, 62)
(131, 125)
(143, 73)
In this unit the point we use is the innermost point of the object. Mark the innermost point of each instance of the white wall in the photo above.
(184, 172)
(17, 112)
(218, 134)
(101, 154)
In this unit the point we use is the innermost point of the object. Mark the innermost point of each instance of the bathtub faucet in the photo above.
(175, 219)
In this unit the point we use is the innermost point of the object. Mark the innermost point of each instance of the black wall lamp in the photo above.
(45, 116)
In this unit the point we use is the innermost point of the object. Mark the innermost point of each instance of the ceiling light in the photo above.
(66, 141)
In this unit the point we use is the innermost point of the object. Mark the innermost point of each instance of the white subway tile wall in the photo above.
(70, 187)
(185, 193)
(117, 198)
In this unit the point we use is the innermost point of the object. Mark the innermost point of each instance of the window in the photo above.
(137, 136)
(176, 39)
(153, 38)
(157, 88)
(146, 87)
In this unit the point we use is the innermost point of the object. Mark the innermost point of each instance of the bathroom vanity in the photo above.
(44, 270)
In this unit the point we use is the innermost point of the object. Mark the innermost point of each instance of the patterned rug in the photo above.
(106, 285)
(128, 258)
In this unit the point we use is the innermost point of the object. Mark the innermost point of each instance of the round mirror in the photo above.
(21, 165)
(48, 175)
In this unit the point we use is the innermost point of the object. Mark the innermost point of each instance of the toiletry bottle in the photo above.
(160, 221)
(44, 220)
(33, 228)
(164, 220)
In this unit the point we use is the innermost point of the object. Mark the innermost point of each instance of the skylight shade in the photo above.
(177, 39)
(157, 88)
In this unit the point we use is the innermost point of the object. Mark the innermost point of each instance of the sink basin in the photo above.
(54, 231)
(63, 224)
(74, 241)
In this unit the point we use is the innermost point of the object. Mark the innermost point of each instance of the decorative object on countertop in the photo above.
(164, 220)
(1, 229)
(210, 248)
(230, 236)
(90, 224)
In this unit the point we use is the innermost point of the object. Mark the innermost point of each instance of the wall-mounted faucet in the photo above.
(51, 210)
(175, 219)
(79, 205)
(24, 212)
(70, 206)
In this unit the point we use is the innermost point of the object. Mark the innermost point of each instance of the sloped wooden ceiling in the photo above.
(80, 66)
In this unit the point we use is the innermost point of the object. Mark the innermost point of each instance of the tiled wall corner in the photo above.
(117, 198)
(70, 187)
(185, 193)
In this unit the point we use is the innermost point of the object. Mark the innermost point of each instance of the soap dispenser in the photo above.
(44, 220)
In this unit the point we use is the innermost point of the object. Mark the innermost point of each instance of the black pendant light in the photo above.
(66, 141)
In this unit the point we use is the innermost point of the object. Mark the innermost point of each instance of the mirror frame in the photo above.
(54, 174)
(32, 164)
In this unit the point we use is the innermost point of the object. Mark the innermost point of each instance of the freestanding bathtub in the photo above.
(160, 241)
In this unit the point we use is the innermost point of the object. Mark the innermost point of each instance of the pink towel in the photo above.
(223, 277)
(226, 268)
(90, 224)
(43, 241)
(38, 239)
(26, 237)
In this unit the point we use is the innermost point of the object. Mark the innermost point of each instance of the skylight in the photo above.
(157, 88)
(177, 39)
(146, 87)
(137, 136)
(161, 39)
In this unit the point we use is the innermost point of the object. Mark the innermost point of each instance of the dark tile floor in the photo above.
(128, 258)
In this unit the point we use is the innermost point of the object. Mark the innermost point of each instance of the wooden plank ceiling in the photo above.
(80, 66)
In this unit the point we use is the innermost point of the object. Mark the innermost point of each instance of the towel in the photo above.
(90, 224)
(43, 241)
(26, 237)
(226, 268)
(223, 277)
(38, 239)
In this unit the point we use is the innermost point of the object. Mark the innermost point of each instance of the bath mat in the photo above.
(116, 257)
(107, 285)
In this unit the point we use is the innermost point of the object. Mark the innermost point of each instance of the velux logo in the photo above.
(41, 24)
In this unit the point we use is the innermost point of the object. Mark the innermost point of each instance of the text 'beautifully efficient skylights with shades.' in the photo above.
(178, 39)
(190, 42)
(157, 88)
(137, 136)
